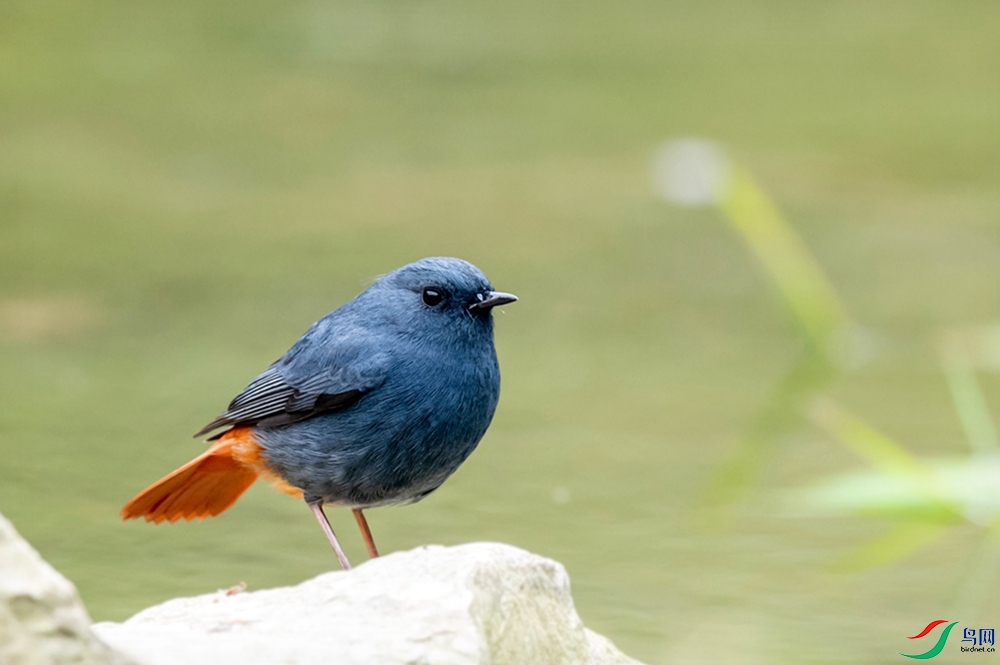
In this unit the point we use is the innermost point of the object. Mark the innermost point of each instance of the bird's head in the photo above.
(440, 293)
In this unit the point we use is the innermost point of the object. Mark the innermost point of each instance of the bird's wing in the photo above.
(320, 374)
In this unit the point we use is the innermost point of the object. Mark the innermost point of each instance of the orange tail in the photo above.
(205, 486)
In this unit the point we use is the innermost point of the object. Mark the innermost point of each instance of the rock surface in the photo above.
(42, 620)
(482, 603)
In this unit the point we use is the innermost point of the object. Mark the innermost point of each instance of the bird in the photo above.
(378, 403)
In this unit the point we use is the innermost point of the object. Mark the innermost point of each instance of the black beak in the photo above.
(491, 299)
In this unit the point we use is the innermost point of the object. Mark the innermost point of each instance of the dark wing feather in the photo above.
(328, 369)
(323, 403)
(275, 400)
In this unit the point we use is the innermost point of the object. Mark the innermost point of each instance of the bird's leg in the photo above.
(324, 524)
(366, 533)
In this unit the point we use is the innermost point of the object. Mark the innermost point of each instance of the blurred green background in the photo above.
(186, 186)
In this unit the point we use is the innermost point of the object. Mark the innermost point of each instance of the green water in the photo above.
(185, 187)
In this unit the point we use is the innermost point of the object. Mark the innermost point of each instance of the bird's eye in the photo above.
(432, 297)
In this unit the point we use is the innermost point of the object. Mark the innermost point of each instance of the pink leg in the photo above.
(324, 524)
(366, 533)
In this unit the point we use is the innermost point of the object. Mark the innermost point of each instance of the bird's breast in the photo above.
(396, 443)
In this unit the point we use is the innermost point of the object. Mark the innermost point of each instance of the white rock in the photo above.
(482, 603)
(42, 620)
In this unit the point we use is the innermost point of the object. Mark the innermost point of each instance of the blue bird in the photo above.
(376, 404)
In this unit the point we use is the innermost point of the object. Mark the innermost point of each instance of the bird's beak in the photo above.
(491, 299)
